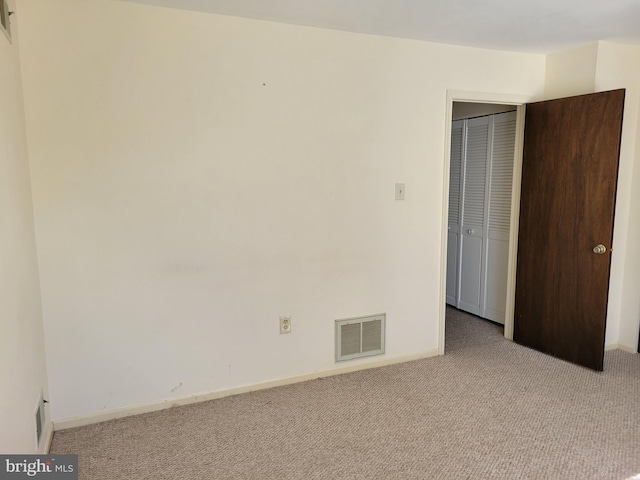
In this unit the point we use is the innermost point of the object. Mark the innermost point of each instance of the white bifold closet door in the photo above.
(458, 131)
(482, 152)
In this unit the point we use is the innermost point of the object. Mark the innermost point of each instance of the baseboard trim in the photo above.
(620, 346)
(82, 420)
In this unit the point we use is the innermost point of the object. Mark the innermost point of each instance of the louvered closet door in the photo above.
(499, 213)
(473, 214)
(455, 189)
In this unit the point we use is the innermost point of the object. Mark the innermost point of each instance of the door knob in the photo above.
(599, 249)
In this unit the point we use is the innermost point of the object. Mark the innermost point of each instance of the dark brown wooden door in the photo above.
(569, 177)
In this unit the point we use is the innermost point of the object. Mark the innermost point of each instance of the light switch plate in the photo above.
(399, 191)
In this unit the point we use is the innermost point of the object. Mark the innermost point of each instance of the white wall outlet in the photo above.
(399, 191)
(285, 324)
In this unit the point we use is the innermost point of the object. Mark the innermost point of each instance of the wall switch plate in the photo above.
(399, 191)
(285, 324)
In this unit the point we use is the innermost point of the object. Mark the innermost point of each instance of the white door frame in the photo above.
(497, 98)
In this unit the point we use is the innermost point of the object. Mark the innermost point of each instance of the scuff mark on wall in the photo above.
(176, 387)
(108, 400)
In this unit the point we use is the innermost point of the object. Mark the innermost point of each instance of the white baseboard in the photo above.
(620, 346)
(363, 364)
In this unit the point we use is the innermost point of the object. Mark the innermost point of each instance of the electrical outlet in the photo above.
(285, 324)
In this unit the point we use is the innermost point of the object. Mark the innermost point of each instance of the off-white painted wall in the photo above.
(571, 72)
(196, 176)
(619, 67)
(22, 360)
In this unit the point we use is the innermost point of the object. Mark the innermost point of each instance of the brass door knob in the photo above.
(599, 249)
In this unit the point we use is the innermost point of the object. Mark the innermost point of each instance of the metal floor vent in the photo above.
(359, 337)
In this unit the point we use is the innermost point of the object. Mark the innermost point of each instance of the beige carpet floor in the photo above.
(489, 408)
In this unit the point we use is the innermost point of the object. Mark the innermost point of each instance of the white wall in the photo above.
(619, 67)
(196, 176)
(571, 72)
(22, 362)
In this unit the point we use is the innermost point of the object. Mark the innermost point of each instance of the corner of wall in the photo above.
(572, 71)
(618, 66)
(23, 365)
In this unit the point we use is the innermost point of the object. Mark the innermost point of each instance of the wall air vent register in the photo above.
(4, 18)
(360, 337)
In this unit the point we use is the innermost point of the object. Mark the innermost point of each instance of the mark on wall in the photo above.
(108, 400)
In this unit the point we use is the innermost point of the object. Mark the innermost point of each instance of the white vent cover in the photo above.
(359, 337)
(40, 414)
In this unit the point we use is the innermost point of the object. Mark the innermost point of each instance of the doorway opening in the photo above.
(481, 176)
(563, 279)
(473, 104)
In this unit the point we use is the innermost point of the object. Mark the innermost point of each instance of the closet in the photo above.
(481, 171)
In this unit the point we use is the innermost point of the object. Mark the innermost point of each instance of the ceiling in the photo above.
(536, 26)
